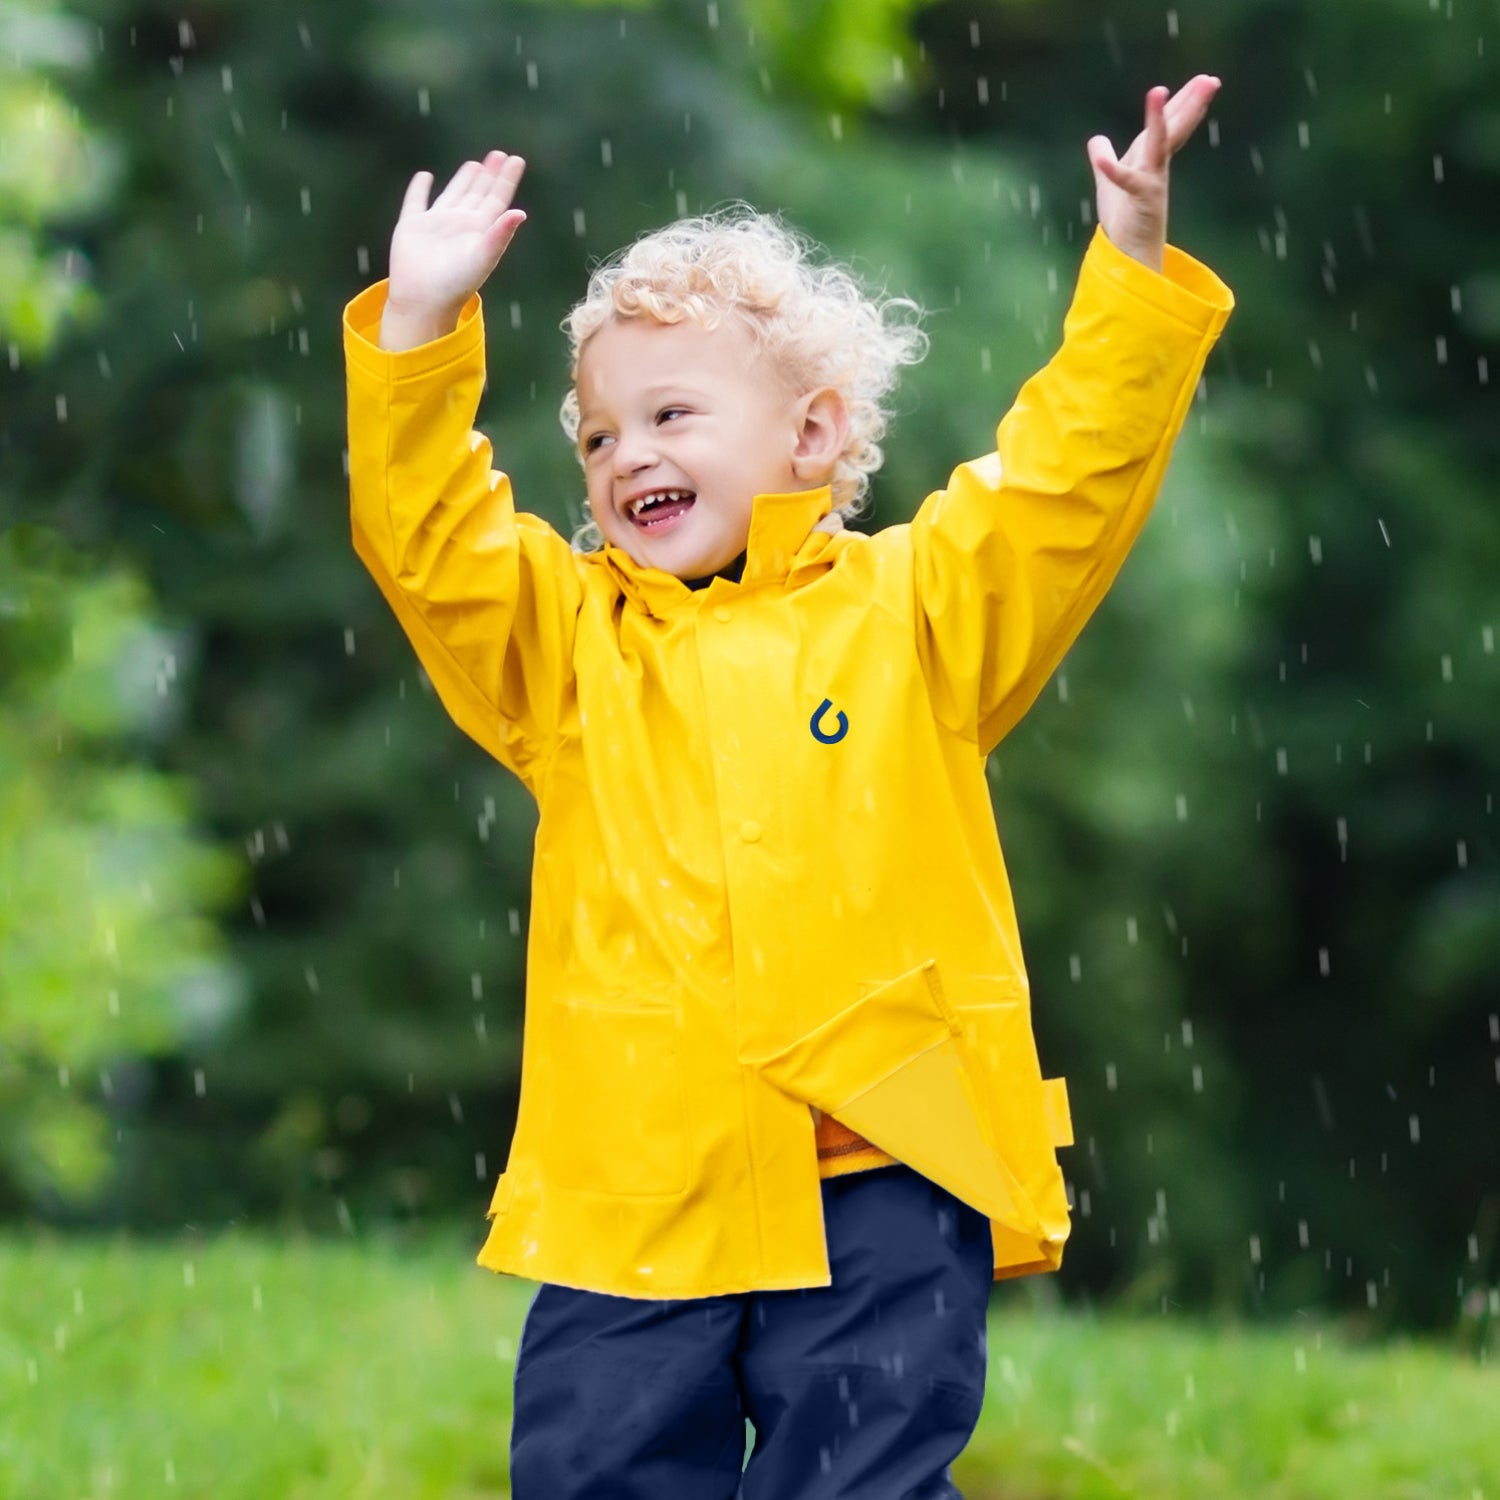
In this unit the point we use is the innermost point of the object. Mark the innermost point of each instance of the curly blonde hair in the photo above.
(819, 324)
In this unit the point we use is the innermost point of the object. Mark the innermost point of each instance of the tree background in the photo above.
(1251, 823)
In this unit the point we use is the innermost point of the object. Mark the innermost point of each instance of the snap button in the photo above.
(721, 613)
(750, 831)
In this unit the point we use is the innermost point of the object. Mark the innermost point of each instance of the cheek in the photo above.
(598, 497)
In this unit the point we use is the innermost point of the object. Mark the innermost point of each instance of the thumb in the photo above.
(1103, 160)
(415, 201)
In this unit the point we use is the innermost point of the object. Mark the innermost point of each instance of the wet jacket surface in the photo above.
(767, 874)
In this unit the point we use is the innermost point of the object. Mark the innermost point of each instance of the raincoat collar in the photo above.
(779, 526)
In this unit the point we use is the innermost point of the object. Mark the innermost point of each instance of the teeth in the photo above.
(637, 506)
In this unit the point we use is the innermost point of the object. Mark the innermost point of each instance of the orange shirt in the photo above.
(841, 1151)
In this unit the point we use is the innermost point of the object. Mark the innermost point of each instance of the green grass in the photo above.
(247, 1369)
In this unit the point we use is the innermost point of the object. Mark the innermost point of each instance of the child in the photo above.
(781, 1117)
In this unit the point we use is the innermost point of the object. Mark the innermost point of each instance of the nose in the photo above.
(634, 453)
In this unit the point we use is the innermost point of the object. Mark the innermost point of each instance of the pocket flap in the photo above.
(863, 1044)
(891, 1068)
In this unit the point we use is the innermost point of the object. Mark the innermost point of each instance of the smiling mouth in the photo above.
(660, 509)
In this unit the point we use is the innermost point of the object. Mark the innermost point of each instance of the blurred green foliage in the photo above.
(107, 949)
(1251, 824)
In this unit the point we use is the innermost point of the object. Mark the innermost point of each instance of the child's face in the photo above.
(691, 413)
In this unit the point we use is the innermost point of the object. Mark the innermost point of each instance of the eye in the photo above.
(667, 413)
(594, 441)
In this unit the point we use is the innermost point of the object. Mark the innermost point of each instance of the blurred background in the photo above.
(262, 907)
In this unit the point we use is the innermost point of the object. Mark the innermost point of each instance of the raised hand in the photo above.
(443, 253)
(1132, 190)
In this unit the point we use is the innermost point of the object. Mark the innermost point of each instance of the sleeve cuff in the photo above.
(362, 339)
(1185, 288)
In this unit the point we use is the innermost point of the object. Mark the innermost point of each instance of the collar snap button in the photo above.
(721, 613)
(750, 831)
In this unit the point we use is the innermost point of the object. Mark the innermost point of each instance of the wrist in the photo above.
(1151, 253)
(405, 325)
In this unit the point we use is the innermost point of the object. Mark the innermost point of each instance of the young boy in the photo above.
(781, 1117)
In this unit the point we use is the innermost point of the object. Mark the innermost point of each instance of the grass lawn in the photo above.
(248, 1369)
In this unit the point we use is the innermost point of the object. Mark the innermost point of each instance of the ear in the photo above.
(822, 431)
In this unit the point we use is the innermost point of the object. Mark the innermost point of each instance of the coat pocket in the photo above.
(617, 1113)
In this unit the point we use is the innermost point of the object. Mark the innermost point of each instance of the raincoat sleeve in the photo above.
(1012, 557)
(488, 597)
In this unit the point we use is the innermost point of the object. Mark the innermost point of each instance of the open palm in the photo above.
(441, 254)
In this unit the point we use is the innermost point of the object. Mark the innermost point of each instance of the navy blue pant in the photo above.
(863, 1390)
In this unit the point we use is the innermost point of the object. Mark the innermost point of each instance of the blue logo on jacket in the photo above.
(822, 736)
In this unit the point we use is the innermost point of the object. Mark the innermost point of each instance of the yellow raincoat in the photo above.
(767, 875)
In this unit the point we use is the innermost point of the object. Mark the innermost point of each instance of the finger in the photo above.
(458, 185)
(1104, 162)
(501, 185)
(1154, 150)
(1186, 109)
(415, 201)
(503, 231)
(493, 184)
